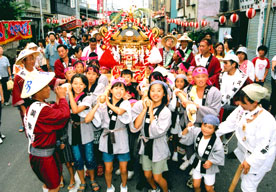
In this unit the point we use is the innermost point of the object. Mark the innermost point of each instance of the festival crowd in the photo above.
(187, 107)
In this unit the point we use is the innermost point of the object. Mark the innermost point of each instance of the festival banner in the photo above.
(71, 25)
(14, 31)
(100, 6)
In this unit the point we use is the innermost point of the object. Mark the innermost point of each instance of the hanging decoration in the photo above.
(250, 13)
(222, 19)
(191, 24)
(196, 25)
(234, 17)
(48, 21)
(203, 23)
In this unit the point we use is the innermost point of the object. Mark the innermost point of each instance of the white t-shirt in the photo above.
(201, 61)
(201, 149)
(227, 83)
(260, 66)
(273, 73)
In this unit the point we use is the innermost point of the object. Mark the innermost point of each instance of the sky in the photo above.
(117, 4)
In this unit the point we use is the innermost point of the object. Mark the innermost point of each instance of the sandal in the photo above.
(95, 185)
(100, 170)
(71, 186)
(82, 185)
(61, 185)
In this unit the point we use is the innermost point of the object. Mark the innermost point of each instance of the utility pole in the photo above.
(77, 14)
(166, 24)
(41, 19)
(86, 9)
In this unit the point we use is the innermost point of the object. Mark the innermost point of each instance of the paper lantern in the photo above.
(234, 17)
(48, 20)
(89, 23)
(196, 25)
(72, 17)
(250, 13)
(203, 23)
(222, 19)
(182, 24)
(186, 24)
(191, 24)
(85, 24)
(63, 20)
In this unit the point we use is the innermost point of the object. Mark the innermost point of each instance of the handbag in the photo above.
(10, 85)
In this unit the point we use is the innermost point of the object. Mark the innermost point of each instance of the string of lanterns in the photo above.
(196, 24)
(63, 20)
(250, 14)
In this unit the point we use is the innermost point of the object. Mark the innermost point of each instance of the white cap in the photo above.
(36, 81)
(31, 45)
(255, 91)
(232, 57)
(161, 70)
(242, 50)
(24, 53)
(228, 36)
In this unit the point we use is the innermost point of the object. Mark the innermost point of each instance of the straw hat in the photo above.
(164, 39)
(23, 54)
(185, 37)
(36, 81)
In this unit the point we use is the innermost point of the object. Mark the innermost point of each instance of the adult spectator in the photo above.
(63, 62)
(42, 58)
(73, 41)
(207, 60)
(228, 46)
(92, 48)
(5, 74)
(84, 41)
(51, 53)
(219, 53)
(245, 65)
(261, 64)
(64, 39)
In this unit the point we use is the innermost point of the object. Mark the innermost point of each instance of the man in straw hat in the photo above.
(27, 58)
(188, 53)
(255, 129)
(167, 51)
(41, 122)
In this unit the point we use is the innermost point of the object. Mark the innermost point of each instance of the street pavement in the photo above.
(16, 174)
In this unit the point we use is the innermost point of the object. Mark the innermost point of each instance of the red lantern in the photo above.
(196, 25)
(63, 20)
(89, 23)
(191, 24)
(250, 13)
(85, 24)
(186, 24)
(234, 17)
(48, 20)
(204, 23)
(72, 17)
(182, 24)
(222, 19)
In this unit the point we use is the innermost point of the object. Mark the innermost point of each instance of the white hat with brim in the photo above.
(185, 37)
(229, 57)
(36, 81)
(24, 53)
(31, 45)
(164, 39)
(255, 91)
(242, 50)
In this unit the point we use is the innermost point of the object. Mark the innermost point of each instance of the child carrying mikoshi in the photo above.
(208, 149)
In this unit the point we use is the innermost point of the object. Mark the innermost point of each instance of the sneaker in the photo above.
(118, 172)
(1, 141)
(130, 175)
(154, 190)
(111, 189)
(6, 103)
(2, 136)
(190, 183)
(191, 172)
(225, 146)
(184, 165)
(123, 189)
(175, 156)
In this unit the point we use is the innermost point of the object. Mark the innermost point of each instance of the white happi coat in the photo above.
(157, 131)
(102, 119)
(256, 139)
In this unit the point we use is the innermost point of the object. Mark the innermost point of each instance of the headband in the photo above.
(191, 68)
(200, 70)
(118, 80)
(94, 69)
(181, 76)
(83, 64)
(69, 69)
(160, 82)
(181, 66)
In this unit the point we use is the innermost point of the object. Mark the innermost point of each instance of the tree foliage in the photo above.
(12, 10)
(199, 34)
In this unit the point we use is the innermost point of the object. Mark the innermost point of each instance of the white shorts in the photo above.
(209, 179)
(250, 182)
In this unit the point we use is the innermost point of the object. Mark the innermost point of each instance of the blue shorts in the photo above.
(121, 157)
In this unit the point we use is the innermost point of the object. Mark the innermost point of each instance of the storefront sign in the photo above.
(14, 31)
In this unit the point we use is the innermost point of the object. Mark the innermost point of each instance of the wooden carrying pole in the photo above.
(235, 179)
